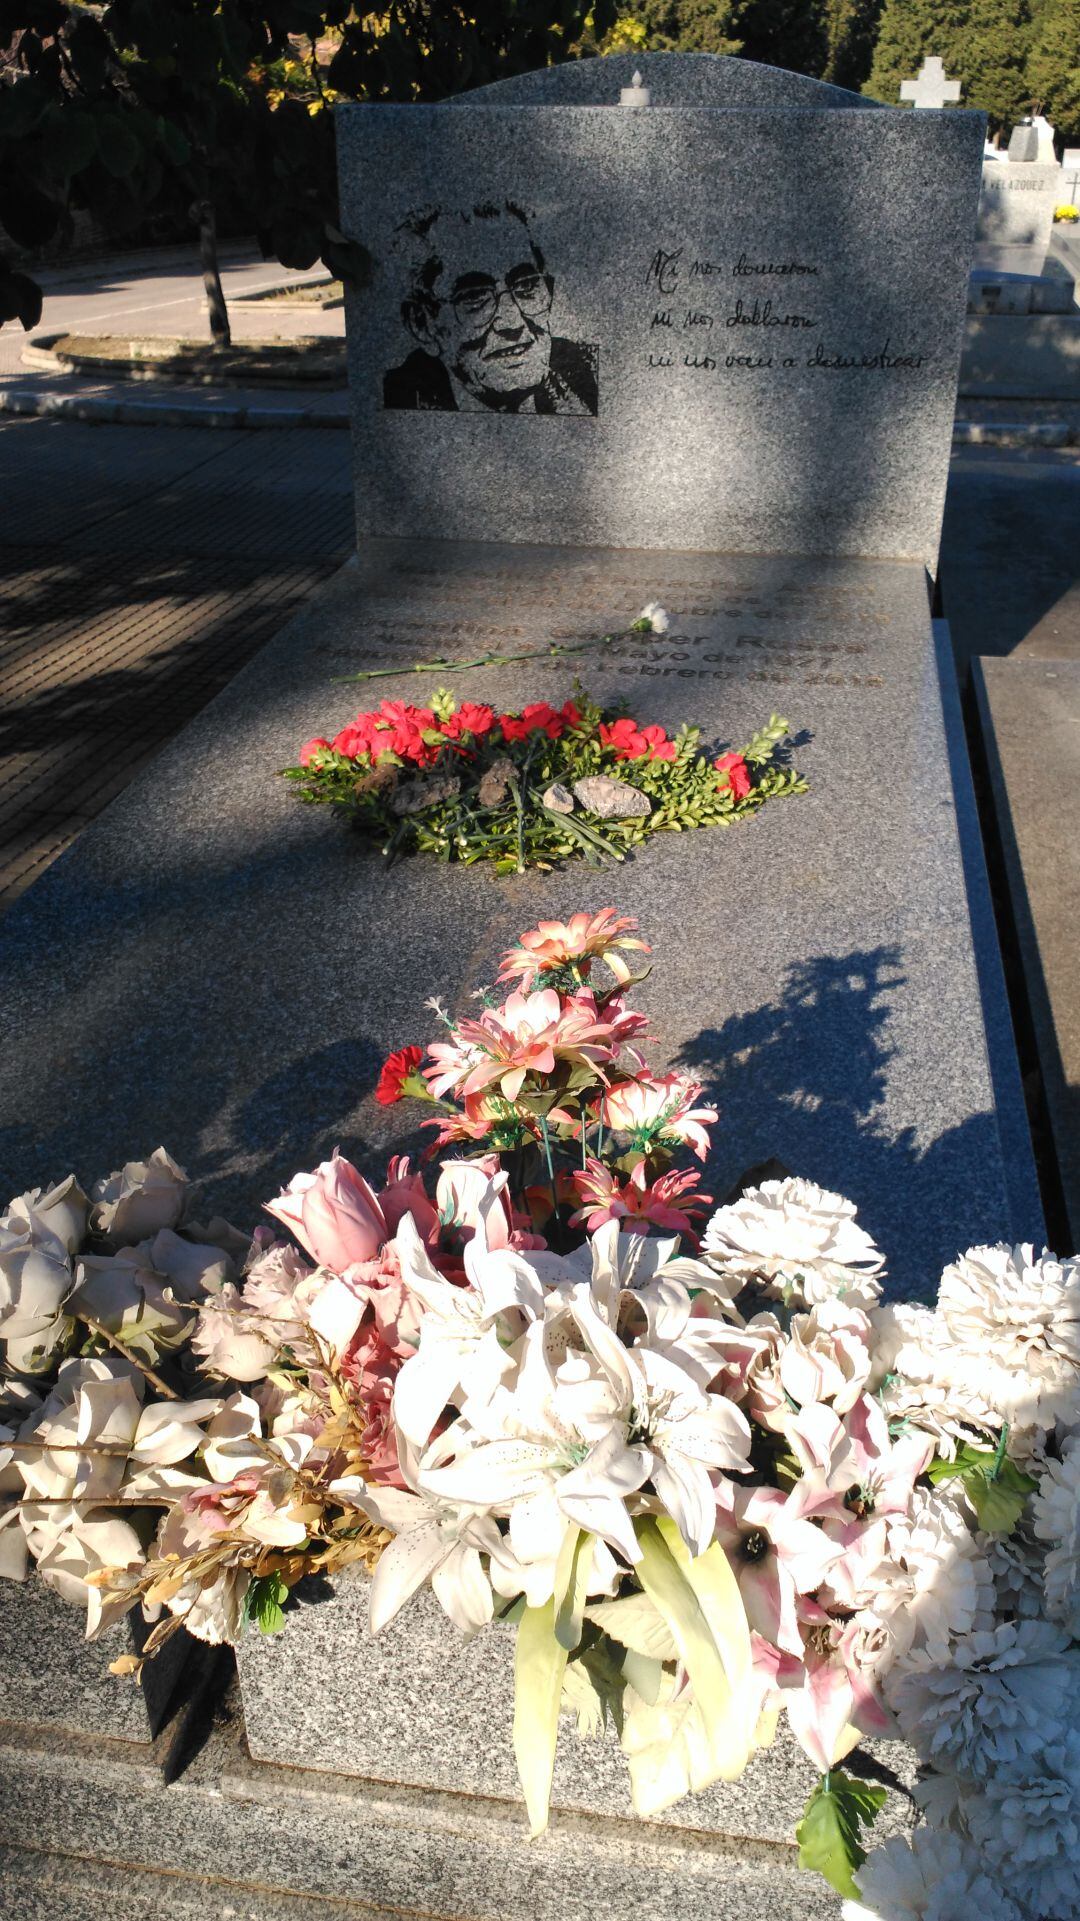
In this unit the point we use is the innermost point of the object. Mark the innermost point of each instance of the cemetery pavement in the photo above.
(140, 572)
(1010, 553)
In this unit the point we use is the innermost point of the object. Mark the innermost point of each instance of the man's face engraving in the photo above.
(487, 316)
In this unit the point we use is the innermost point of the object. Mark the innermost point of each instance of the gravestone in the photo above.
(52, 1677)
(733, 394)
(1016, 211)
(819, 328)
(931, 89)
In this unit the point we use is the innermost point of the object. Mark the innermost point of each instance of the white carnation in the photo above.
(928, 1877)
(802, 1242)
(1016, 1564)
(1013, 1322)
(1027, 1824)
(1055, 1518)
(903, 1339)
(654, 616)
(934, 1584)
(996, 1702)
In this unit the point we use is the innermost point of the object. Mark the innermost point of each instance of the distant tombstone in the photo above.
(931, 89)
(1024, 143)
(1047, 152)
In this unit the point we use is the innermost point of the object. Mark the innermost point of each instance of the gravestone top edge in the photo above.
(615, 70)
(739, 109)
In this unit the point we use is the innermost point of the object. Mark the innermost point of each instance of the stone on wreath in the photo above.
(611, 799)
(495, 784)
(558, 799)
(378, 780)
(413, 796)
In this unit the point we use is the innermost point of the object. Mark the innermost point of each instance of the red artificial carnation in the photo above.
(353, 740)
(625, 739)
(738, 774)
(472, 717)
(628, 741)
(312, 747)
(660, 747)
(538, 717)
(396, 1070)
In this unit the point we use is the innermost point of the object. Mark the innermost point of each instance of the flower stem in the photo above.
(553, 651)
(144, 1367)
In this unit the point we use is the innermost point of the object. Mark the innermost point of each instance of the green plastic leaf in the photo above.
(572, 1572)
(995, 1486)
(713, 1580)
(721, 1707)
(829, 1834)
(645, 1675)
(539, 1668)
(593, 1686)
(264, 1603)
(636, 1623)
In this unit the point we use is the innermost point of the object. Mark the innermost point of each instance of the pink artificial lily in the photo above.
(333, 1213)
(886, 1470)
(777, 1553)
(659, 1110)
(405, 1193)
(836, 1702)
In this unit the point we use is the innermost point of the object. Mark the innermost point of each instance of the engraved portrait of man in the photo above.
(478, 303)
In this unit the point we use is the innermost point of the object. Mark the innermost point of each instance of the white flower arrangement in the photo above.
(711, 1480)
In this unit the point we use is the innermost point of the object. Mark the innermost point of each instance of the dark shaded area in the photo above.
(803, 1078)
(1010, 553)
(138, 572)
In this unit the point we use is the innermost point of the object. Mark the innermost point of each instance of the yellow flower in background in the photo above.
(1067, 212)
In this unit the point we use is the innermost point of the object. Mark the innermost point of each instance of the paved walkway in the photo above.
(161, 293)
(139, 572)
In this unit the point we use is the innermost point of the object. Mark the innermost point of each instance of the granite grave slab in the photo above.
(671, 79)
(732, 337)
(228, 969)
(52, 1677)
(251, 1839)
(1030, 714)
(423, 1708)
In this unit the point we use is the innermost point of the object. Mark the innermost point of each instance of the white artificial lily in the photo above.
(688, 1433)
(433, 1542)
(461, 1354)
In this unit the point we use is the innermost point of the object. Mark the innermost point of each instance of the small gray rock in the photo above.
(495, 784)
(413, 796)
(558, 799)
(378, 780)
(611, 799)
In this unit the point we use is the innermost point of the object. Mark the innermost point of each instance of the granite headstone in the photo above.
(658, 328)
(1016, 209)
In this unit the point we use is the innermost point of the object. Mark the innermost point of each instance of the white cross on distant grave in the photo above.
(931, 89)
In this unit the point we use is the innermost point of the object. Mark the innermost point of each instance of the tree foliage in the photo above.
(1054, 64)
(204, 111)
(691, 26)
(983, 44)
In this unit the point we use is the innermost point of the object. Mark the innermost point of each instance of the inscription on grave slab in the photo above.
(673, 328)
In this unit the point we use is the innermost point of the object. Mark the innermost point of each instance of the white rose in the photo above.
(139, 1200)
(59, 1213)
(228, 1341)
